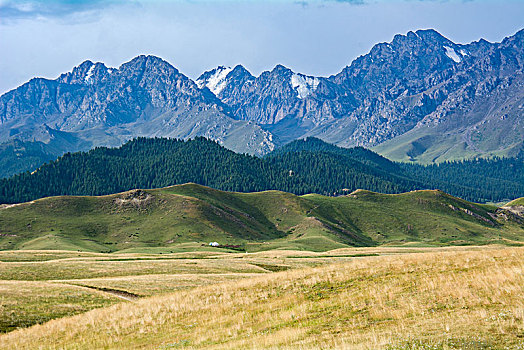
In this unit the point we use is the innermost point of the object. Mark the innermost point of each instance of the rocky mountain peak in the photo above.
(431, 35)
(420, 37)
(241, 70)
(519, 35)
(428, 42)
(302, 84)
(281, 70)
(413, 57)
(222, 79)
(147, 65)
(87, 73)
(515, 42)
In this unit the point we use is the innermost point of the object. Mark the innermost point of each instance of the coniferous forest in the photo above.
(303, 166)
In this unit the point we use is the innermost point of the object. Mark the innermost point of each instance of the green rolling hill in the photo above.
(517, 202)
(188, 217)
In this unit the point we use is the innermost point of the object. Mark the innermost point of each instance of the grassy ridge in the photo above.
(434, 146)
(437, 300)
(516, 202)
(187, 217)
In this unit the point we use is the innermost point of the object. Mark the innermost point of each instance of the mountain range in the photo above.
(419, 98)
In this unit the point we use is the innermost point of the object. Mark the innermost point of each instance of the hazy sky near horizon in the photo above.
(317, 37)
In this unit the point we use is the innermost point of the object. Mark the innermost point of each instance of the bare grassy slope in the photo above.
(456, 299)
(516, 202)
(174, 216)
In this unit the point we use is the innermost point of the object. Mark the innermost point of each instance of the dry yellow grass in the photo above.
(148, 285)
(457, 299)
(24, 303)
(91, 268)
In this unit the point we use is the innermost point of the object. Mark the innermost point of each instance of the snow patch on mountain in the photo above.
(89, 76)
(450, 52)
(303, 84)
(217, 81)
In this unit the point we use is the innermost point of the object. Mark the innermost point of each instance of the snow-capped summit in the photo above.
(303, 84)
(215, 80)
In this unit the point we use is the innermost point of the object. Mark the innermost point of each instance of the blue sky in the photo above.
(317, 37)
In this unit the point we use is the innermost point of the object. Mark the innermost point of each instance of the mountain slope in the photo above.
(256, 221)
(454, 101)
(99, 106)
(420, 97)
(466, 107)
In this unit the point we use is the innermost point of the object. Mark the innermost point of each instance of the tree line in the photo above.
(304, 166)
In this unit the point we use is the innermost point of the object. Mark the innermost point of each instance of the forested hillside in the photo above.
(494, 179)
(481, 180)
(304, 166)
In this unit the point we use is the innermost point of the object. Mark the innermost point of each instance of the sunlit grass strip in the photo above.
(409, 301)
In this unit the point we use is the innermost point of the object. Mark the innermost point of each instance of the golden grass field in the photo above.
(404, 298)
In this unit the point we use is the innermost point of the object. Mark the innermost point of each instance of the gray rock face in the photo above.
(420, 97)
(288, 104)
(104, 106)
(421, 86)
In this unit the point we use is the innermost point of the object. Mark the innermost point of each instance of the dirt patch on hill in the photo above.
(515, 213)
(7, 206)
(134, 198)
(517, 210)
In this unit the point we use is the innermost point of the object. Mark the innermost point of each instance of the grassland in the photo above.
(361, 298)
(188, 217)
(426, 146)
(134, 270)
(36, 286)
